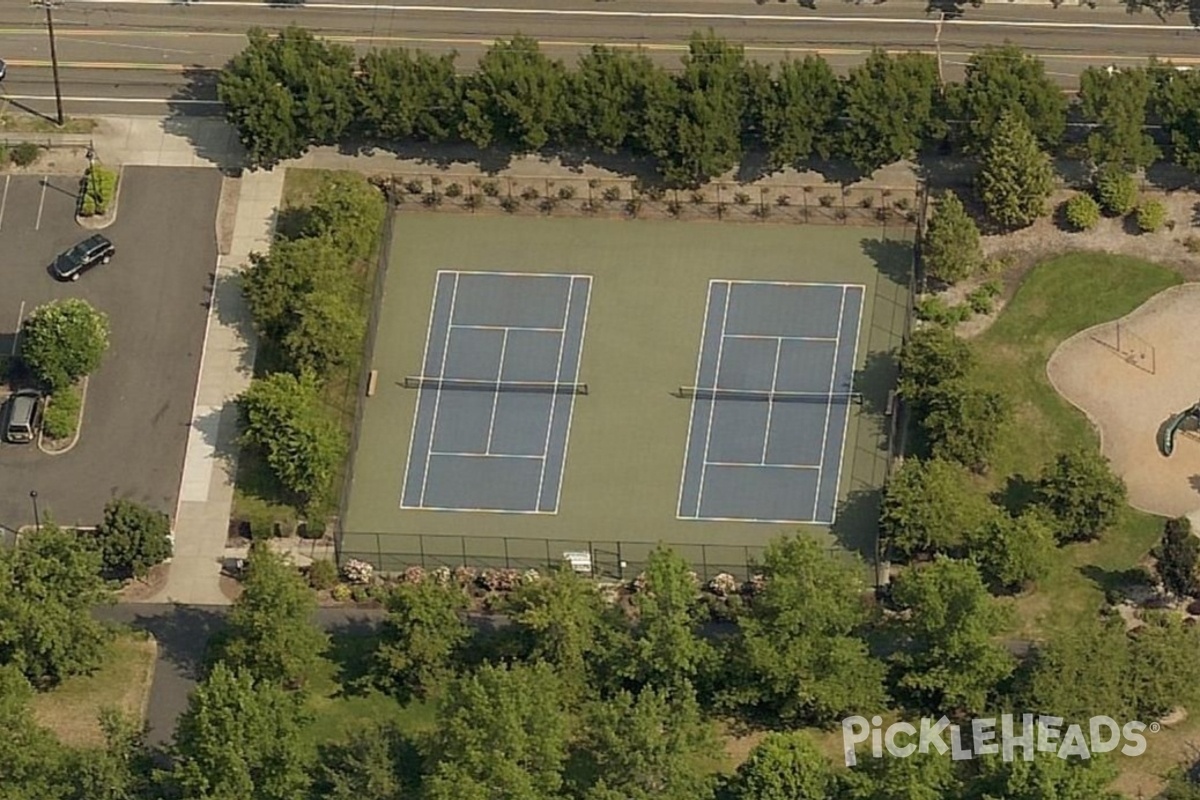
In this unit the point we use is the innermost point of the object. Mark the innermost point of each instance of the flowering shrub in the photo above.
(441, 576)
(723, 585)
(465, 576)
(413, 575)
(499, 580)
(340, 593)
(530, 576)
(756, 584)
(639, 583)
(357, 572)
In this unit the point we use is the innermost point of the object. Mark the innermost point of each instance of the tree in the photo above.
(1013, 552)
(419, 639)
(797, 111)
(784, 766)
(35, 765)
(283, 419)
(1005, 80)
(921, 776)
(1176, 558)
(1015, 177)
(963, 423)
(270, 633)
(1175, 104)
(501, 734)
(63, 341)
(120, 770)
(406, 95)
(646, 747)
(285, 92)
(1164, 672)
(241, 740)
(891, 108)
(1083, 495)
(1117, 102)
(1116, 190)
(1082, 212)
(52, 582)
(933, 355)
(929, 506)
(1046, 776)
(799, 653)
(349, 213)
(517, 97)
(1080, 672)
(133, 538)
(698, 132)
(950, 251)
(609, 97)
(666, 651)
(948, 659)
(376, 762)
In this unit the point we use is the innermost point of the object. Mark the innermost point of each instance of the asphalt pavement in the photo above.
(131, 56)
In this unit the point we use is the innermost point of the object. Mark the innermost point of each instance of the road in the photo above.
(129, 56)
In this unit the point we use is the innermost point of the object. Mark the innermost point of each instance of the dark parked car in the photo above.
(79, 259)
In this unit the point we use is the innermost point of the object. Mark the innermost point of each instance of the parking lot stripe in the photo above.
(17, 335)
(41, 203)
(4, 198)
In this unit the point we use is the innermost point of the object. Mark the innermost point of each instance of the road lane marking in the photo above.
(41, 204)
(17, 335)
(4, 199)
(672, 15)
(142, 100)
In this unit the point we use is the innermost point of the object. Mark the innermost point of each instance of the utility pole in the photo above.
(49, 6)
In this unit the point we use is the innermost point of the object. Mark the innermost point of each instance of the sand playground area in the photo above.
(1130, 376)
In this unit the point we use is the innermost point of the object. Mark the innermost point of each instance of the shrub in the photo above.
(415, 186)
(1151, 216)
(62, 413)
(1192, 243)
(566, 192)
(99, 188)
(674, 208)
(63, 341)
(548, 205)
(322, 574)
(827, 200)
(432, 200)
(24, 154)
(133, 538)
(510, 204)
(981, 299)
(340, 593)
(358, 572)
(867, 202)
(1117, 191)
(491, 188)
(611, 194)
(454, 190)
(783, 200)
(529, 193)
(1082, 212)
(934, 309)
(697, 198)
(741, 198)
(473, 202)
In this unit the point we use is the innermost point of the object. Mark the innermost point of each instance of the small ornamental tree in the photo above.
(951, 251)
(1177, 555)
(1117, 191)
(1082, 212)
(133, 538)
(1015, 177)
(1083, 495)
(63, 341)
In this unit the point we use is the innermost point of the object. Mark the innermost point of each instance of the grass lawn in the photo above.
(30, 123)
(1056, 300)
(72, 709)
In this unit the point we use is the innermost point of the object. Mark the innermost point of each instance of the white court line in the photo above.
(846, 421)
(760, 521)
(562, 343)
(483, 455)
(437, 397)
(4, 199)
(17, 335)
(506, 328)
(672, 15)
(842, 286)
(587, 307)
(512, 274)
(687, 448)
(752, 465)
(781, 338)
(487, 448)
(829, 407)
(41, 204)
(412, 437)
(771, 404)
(473, 510)
(712, 407)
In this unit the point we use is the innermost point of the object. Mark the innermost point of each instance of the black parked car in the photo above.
(93, 250)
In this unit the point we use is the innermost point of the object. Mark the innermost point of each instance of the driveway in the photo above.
(155, 292)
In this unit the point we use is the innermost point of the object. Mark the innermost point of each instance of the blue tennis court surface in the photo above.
(486, 448)
(775, 453)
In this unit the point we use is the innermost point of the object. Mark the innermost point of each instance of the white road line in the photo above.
(137, 100)
(829, 408)
(41, 204)
(17, 335)
(4, 199)
(562, 343)
(487, 450)
(712, 16)
(712, 407)
(771, 403)
(437, 397)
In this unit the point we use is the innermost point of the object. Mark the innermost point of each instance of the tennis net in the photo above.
(470, 385)
(751, 395)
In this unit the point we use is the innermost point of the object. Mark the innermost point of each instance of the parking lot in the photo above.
(155, 292)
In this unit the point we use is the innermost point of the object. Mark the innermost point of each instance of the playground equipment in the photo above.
(1131, 348)
(1185, 421)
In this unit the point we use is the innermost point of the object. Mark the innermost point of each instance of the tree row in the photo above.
(290, 91)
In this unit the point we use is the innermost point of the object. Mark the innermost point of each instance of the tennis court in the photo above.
(771, 402)
(497, 391)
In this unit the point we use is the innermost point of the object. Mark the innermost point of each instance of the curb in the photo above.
(78, 426)
(100, 222)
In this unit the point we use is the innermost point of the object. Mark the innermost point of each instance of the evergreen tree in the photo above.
(798, 110)
(516, 97)
(1118, 102)
(1005, 80)
(951, 251)
(1177, 556)
(891, 109)
(403, 95)
(1015, 177)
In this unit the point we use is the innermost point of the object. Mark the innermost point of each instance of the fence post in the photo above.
(462, 544)
(507, 565)
(804, 198)
(620, 563)
(704, 560)
(421, 548)
(549, 563)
